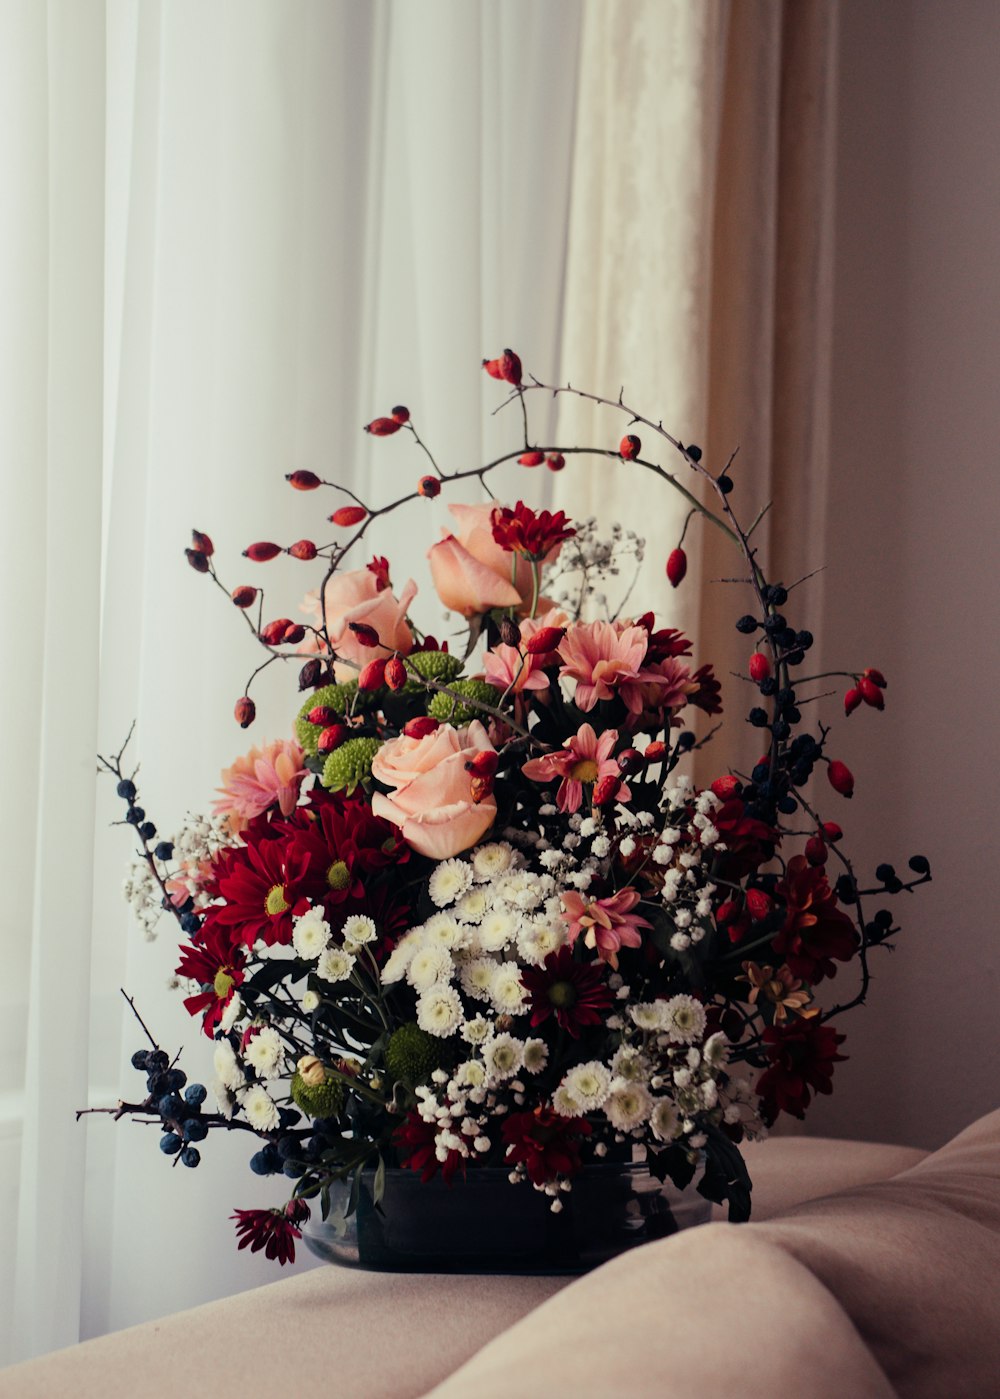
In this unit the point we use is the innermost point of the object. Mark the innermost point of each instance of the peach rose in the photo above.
(357, 597)
(472, 573)
(432, 803)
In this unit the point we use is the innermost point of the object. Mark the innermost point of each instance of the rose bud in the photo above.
(294, 633)
(759, 904)
(492, 367)
(629, 447)
(677, 566)
(323, 715)
(382, 427)
(311, 674)
(401, 414)
(262, 552)
(531, 458)
(606, 789)
(303, 549)
(841, 778)
(197, 560)
(331, 738)
(510, 368)
(420, 727)
(395, 673)
(655, 751)
(244, 596)
(303, 480)
(510, 632)
(870, 692)
(555, 461)
(274, 632)
(484, 764)
(725, 788)
(429, 486)
(367, 635)
(311, 1071)
(372, 676)
(851, 700)
(202, 542)
(348, 515)
(245, 711)
(547, 639)
(629, 760)
(876, 677)
(760, 667)
(480, 788)
(816, 851)
(832, 831)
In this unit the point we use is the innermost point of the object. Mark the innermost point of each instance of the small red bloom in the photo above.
(841, 778)
(382, 427)
(303, 480)
(217, 965)
(707, 695)
(677, 567)
(380, 568)
(816, 932)
(274, 1231)
(725, 787)
(629, 447)
(574, 992)
(534, 536)
(348, 515)
(802, 1055)
(546, 1144)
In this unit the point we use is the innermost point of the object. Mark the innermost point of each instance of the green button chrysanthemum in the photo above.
(451, 711)
(411, 1054)
(319, 1099)
(337, 698)
(350, 764)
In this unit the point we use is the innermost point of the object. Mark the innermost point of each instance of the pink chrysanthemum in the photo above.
(584, 758)
(604, 660)
(606, 924)
(266, 777)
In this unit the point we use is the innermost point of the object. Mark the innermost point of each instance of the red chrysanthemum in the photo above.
(548, 1145)
(708, 694)
(216, 964)
(816, 931)
(274, 1231)
(802, 1055)
(416, 1142)
(263, 885)
(340, 840)
(530, 533)
(572, 991)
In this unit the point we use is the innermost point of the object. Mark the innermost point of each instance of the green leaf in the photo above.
(379, 1188)
(726, 1176)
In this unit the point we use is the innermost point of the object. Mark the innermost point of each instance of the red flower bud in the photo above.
(555, 461)
(480, 787)
(401, 414)
(655, 751)
(677, 566)
(876, 677)
(395, 673)
(484, 764)
(323, 715)
(262, 553)
(851, 700)
(348, 515)
(197, 560)
(303, 480)
(372, 676)
(841, 778)
(760, 667)
(331, 737)
(629, 760)
(531, 458)
(367, 635)
(759, 904)
(202, 542)
(244, 597)
(294, 633)
(429, 486)
(629, 447)
(547, 639)
(510, 368)
(421, 726)
(870, 692)
(606, 789)
(382, 427)
(245, 711)
(816, 851)
(832, 831)
(510, 632)
(303, 549)
(725, 787)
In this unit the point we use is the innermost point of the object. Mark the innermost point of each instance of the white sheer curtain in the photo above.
(230, 234)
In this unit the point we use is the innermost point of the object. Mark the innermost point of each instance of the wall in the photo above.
(912, 576)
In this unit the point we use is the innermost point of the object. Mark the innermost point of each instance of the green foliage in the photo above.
(339, 698)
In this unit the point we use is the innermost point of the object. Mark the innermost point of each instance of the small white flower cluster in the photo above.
(264, 1054)
(685, 849)
(144, 896)
(586, 558)
(195, 846)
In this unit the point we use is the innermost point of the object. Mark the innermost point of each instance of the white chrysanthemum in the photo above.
(472, 905)
(684, 1019)
(536, 1056)
(477, 977)
(335, 964)
(506, 991)
(399, 958)
(259, 1109)
(537, 940)
(358, 930)
(715, 1050)
(470, 1074)
(492, 860)
(497, 930)
(648, 1015)
(310, 1001)
(231, 1014)
(428, 966)
(630, 1065)
(265, 1054)
(588, 1084)
(503, 1055)
(476, 1030)
(227, 1067)
(627, 1106)
(664, 1120)
(224, 1100)
(439, 1011)
(565, 1104)
(442, 930)
(525, 890)
(311, 934)
(449, 882)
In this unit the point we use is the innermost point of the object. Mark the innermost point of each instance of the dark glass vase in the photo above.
(484, 1224)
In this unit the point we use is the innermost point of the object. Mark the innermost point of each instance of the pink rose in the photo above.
(432, 803)
(472, 573)
(358, 596)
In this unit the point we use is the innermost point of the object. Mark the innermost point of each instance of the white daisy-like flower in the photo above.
(311, 934)
(231, 1014)
(472, 905)
(683, 1019)
(503, 1055)
(525, 890)
(565, 1104)
(264, 1053)
(259, 1109)
(470, 1074)
(588, 1084)
(227, 1067)
(439, 1011)
(224, 1099)
(629, 1064)
(664, 1120)
(715, 1050)
(399, 958)
(358, 930)
(476, 1030)
(627, 1106)
(648, 1015)
(497, 930)
(310, 1001)
(506, 991)
(709, 1093)
(429, 965)
(442, 930)
(537, 940)
(492, 860)
(449, 882)
(477, 977)
(335, 964)
(536, 1055)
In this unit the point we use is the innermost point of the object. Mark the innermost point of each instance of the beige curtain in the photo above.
(699, 275)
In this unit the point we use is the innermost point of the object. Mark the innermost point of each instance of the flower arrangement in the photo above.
(472, 910)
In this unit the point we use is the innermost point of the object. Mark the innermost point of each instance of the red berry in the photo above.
(492, 367)
(725, 787)
(274, 632)
(244, 597)
(851, 700)
(841, 778)
(531, 458)
(547, 639)
(876, 677)
(759, 905)
(870, 692)
(262, 553)
(677, 566)
(484, 763)
(421, 726)
(760, 667)
(510, 368)
(480, 788)
(816, 851)
(429, 486)
(348, 515)
(294, 633)
(606, 789)
(382, 427)
(629, 447)
(331, 737)
(395, 673)
(832, 831)
(629, 760)
(372, 676)
(303, 549)
(555, 461)
(202, 542)
(366, 634)
(303, 480)
(245, 711)
(197, 560)
(401, 414)
(323, 715)
(655, 751)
